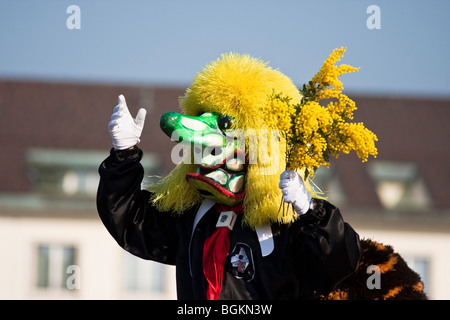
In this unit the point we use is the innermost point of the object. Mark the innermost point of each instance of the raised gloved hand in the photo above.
(294, 191)
(124, 130)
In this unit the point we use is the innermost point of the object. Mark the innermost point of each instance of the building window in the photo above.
(52, 265)
(71, 172)
(399, 185)
(80, 182)
(327, 184)
(144, 276)
(422, 267)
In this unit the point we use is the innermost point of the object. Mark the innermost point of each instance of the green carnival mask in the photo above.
(208, 141)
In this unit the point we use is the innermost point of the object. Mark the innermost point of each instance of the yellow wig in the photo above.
(240, 86)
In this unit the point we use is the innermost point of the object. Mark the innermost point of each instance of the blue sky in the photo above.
(168, 41)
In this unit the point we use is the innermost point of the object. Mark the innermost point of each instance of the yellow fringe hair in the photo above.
(236, 85)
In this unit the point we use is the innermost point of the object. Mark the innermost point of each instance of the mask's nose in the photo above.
(169, 122)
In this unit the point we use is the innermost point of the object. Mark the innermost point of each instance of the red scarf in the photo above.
(215, 251)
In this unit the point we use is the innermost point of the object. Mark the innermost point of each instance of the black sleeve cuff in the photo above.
(119, 156)
(318, 211)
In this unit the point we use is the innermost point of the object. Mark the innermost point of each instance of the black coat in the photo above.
(314, 253)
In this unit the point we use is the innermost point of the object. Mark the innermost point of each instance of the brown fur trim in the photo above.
(398, 281)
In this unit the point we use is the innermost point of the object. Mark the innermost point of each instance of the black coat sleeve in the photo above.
(331, 246)
(125, 210)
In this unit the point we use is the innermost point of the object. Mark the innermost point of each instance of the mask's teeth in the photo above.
(218, 176)
(235, 164)
(236, 184)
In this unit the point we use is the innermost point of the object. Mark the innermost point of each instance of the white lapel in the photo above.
(204, 207)
(265, 238)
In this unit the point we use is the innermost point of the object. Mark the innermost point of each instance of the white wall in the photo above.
(99, 257)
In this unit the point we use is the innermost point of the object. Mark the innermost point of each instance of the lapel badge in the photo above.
(226, 219)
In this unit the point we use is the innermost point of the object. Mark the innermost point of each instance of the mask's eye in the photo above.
(225, 122)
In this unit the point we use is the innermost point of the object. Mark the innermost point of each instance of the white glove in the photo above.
(294, 191)
(124, 130)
